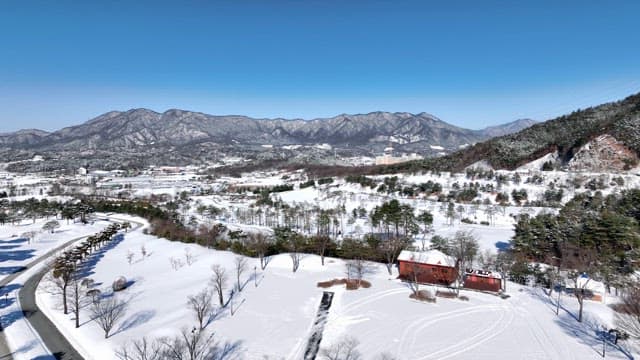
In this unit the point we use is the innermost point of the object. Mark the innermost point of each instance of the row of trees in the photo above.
(33, 209)
(66, 280)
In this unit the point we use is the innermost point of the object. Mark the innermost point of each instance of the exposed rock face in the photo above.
(603, 154)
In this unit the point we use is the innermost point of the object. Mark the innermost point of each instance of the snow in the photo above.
(537, 164)
(18, 253)
(433, 257)
(274, 318)
(436, 147)
(21, 338)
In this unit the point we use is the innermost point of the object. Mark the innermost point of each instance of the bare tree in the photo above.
(240, 263)
(582, 264)
(141, 349)
(357, 269)
(57, 281)
(486, 259)
(176, 263)
(259, 243)
(344, 349)
(51, 225)
(188, 257)
(295, 244)
(130, 256)
(463, 247)
(391, 248)
(189, 345)
(321, 242)
(78, 299)
(413, 278)
(628, 312)
(219, 282)
(201, 306)
(108, 312)
(29, 235)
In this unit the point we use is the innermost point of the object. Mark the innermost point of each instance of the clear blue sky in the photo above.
(471, 63)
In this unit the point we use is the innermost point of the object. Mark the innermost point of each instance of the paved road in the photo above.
(5, 352)
(53, 339)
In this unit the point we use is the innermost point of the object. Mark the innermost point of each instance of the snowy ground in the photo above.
(274, 319)
(17, 251)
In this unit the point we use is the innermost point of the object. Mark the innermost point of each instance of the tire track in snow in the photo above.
(551, 348)
(420, 324)
(469, 343)
(369, 299)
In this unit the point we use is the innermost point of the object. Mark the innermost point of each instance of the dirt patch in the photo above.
(446, 294)
(351, 284)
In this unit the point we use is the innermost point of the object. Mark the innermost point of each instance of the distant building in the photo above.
(389, 159)
(82, 171)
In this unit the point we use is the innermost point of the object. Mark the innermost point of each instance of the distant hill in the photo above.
(611, 128)
(182, 137)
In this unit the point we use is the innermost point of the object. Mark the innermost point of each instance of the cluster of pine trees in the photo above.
(591, 234)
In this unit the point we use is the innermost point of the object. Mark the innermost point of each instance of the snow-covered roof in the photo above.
(433, 257)
(585, 282)
(483, 273)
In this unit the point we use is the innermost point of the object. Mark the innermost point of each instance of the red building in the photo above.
(429, 267)
(482, 280)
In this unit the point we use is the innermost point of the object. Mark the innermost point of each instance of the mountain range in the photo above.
(179, 136)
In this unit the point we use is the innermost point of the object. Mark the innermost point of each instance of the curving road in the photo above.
(50, 335)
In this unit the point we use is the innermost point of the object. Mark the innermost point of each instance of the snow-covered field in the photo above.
(274, 319)
(18, 251)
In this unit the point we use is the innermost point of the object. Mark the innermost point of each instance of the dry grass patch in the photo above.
(351, 284)
(423, 295)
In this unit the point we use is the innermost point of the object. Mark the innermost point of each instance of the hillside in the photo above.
(566, 135)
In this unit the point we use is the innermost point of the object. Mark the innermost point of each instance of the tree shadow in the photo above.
(17, 255)
(551, 301)
(8, 270)
(8, 247)
(16, 241)
(502, 245)
(7, 319)
(591, 333)
(5, 300)
(87, 267)
(227, 351)
(134, 320)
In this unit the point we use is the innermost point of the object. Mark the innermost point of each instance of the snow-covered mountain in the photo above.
(140, 127)
(179, 136)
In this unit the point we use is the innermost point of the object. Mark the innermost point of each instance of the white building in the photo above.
(388, 159)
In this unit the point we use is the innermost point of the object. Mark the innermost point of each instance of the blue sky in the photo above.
(471, 63)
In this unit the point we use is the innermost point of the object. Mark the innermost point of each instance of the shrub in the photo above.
(423, 295)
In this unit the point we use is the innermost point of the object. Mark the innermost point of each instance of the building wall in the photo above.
(483, 283)
(427, 273)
